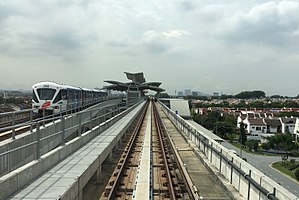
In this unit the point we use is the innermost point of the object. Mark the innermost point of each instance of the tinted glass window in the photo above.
(46, 93)
(34, 97)
(58, 97)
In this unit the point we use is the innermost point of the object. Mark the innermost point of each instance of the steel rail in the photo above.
(192, 190)
(131, 143)
(168, 175)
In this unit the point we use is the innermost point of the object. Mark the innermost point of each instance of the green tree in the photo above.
(282, 142)
(230, 119)
(243, 137)
(250, 94)
(297, 174)
(252, 144)
(224, 128)
(266, 146)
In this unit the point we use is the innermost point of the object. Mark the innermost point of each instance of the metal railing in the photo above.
(45, 137)
(11, 120)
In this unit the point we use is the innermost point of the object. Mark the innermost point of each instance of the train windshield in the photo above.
(46, 93)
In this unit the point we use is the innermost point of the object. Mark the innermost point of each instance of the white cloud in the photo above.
(270, 23)
(185, 39)
(175, 34)
(159, 42)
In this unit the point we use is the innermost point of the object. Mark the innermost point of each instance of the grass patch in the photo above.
(238, 145)
(258, 152)
(283, 167)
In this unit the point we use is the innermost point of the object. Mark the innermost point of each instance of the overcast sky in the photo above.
(210, 46)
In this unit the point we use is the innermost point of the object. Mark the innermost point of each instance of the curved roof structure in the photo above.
(138, 83)
(135, 77)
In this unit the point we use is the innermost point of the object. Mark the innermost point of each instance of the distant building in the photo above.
(180, 93)
(5, 94)
(194, 94)
(188, 92)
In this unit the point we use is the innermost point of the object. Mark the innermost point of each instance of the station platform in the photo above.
(67, 179)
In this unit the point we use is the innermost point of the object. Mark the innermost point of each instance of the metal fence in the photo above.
(47, 136)
(9, 120)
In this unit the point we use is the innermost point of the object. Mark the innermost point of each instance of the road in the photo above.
(263, 164)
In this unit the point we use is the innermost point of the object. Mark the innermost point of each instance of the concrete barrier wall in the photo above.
(51, 137)
(246, 179)
(91, 170)
(17, 179)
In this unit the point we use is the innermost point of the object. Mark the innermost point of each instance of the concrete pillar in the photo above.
(99, 172)
(115, 148)
(80, 195)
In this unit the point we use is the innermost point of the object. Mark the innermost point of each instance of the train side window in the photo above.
(63, 95)
(69, 95)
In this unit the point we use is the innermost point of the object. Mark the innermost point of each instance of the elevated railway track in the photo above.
(165, 158)
(149, 167)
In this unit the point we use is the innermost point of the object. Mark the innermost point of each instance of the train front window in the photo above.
(34, 97)
(46, 93)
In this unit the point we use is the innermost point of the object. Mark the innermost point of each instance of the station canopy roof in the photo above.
(138, 83)
(136, 77)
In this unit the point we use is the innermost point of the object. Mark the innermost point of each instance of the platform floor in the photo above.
(57, 181)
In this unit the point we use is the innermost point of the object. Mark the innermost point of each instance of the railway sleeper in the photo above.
(126, 190)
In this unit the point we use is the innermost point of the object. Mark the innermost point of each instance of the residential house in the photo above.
(296, 129)
(202, 111)
(273, 125)
(288, 124)
(255, 126)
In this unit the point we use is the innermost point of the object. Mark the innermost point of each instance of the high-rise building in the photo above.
(180, 93)
(188, 92)
(194, 94)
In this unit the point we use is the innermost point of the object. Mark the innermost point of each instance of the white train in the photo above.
(54, 98)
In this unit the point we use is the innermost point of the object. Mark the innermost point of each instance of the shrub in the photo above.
(297, 174)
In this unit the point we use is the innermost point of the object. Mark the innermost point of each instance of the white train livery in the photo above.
(55, 98)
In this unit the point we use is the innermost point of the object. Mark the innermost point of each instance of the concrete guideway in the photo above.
(67, 179)
(72, 171)
(142, 190)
